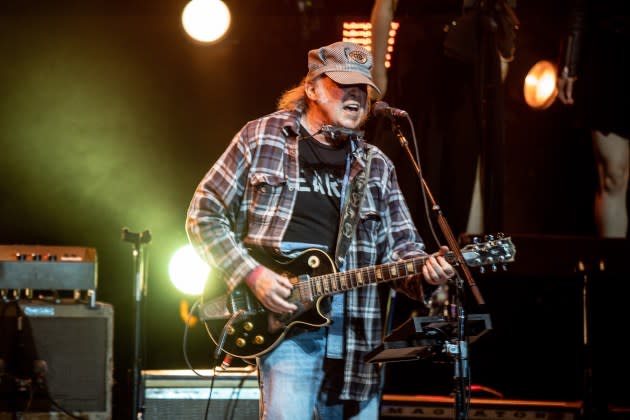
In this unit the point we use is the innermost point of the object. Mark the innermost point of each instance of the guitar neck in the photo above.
(491, 253)
(329, 284)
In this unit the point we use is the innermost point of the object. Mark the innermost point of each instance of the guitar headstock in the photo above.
(494, 251)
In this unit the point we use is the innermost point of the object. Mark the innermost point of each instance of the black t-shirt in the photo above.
(315, 217)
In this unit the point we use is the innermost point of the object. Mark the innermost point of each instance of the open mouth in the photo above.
(351, 107)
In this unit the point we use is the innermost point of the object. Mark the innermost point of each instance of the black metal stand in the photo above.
(459, 350)
(140, 288)
(593, 407)
(423, 337)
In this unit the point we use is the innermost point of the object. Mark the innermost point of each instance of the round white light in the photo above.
(188, 272)
(206, 20)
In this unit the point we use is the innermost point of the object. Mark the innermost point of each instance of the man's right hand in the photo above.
(271, 289)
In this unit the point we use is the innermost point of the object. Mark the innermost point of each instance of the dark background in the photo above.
(110, 115)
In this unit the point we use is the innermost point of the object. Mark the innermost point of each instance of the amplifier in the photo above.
(56, 357)
(47, 267)
(438, 407)
(184, 395)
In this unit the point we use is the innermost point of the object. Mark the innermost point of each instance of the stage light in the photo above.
(206, 21)
(185, 315)
(539, 88)
(361, 33)
(188, 272)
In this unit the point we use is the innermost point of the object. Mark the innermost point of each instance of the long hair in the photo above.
(294, 98)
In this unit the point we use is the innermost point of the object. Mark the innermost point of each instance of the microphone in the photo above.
(334, 131)
(382, 108)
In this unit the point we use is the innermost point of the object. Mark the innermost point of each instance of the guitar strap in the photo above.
(350, 214)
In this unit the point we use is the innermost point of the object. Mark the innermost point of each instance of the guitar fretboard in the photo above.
(332, 283)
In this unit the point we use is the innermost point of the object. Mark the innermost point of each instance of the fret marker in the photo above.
(410, 268)
(359, 279)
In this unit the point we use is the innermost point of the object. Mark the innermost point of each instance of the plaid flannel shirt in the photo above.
(246, 200)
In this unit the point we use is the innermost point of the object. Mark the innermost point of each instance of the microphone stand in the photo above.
(460, 348)
(140, 289)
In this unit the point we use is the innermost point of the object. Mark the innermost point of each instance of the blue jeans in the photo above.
(298, 382)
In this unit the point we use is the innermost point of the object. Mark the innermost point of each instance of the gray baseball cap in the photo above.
(345, 63)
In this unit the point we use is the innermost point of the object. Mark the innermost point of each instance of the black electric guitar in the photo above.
(242, 327)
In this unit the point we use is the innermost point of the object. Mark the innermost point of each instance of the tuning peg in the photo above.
(494, 268)
(504, 267)
(476, 240)
(482, 269)
(489, 237)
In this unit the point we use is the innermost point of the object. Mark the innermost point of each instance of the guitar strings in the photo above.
(355, 276)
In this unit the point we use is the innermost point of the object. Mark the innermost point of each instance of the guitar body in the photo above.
(255, 330)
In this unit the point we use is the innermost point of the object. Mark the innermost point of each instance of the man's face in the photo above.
(339, 105)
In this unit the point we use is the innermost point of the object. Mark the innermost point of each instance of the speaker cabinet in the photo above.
(55, 357)
(184, 395)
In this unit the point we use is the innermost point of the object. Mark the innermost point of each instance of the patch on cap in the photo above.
(358, 56)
